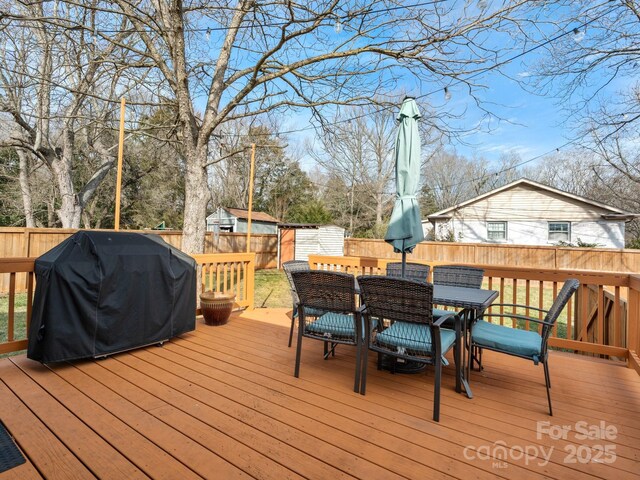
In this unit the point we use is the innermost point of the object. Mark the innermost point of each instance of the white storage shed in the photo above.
(296, 241)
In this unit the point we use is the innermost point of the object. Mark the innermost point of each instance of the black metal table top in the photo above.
(463, 297)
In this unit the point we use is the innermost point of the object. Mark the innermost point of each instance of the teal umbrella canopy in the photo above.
(405, 226)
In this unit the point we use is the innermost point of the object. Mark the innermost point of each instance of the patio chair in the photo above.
(523, 343)
(456, 276)
(327, 311)
(407, 330)
(413, 271)
(290, 267)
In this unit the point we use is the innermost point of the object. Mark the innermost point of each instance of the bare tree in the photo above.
(223, 62)
(592, 67)
(357, 150)
(343, 153)
(59, 77)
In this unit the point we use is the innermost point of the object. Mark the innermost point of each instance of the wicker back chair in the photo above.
(399, 323)
(327, 311)
(413, 271)
(523, 343)
(290, 267)
(458, 276)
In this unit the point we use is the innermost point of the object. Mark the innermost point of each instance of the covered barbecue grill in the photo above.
(99, 293)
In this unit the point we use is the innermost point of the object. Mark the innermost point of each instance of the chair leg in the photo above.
(547, 373)
(547, 381)
(298, 350)
(363, 372)
(328, 351)
(469, 366)
(356, 385)
(436, 392)
(456, 361)
(293, 322)
(379, 361)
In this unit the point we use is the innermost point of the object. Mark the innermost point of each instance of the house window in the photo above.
(559, 232)
(497, 230)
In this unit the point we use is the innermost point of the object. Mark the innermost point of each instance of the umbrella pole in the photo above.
(404, 262)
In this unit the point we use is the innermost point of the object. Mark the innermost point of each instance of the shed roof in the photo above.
(613, 211)
(255, 216)
(307, 225)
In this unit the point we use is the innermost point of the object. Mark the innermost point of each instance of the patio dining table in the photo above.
(474, 301)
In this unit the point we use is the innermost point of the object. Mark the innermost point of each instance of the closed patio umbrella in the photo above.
(405, 226)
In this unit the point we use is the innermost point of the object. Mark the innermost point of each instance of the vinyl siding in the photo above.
(609, 234)
(257, 227)
(325, 240)
(525, 202)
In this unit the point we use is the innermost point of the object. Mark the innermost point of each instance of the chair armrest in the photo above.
(443, 318)
(516, 316)
(529, 307)
(362, 310)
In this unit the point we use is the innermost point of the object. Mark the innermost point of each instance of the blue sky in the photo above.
(526, 124)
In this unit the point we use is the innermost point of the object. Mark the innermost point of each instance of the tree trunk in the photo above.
(379, 205)
(25, 188)
(69, 212)
(196, 200)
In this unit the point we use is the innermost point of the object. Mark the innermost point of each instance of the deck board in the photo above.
(222, 402)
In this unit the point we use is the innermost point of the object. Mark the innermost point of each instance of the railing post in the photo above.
(250, 272)
(633, 322)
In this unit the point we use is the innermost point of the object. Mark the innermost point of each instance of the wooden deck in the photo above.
(222, 403)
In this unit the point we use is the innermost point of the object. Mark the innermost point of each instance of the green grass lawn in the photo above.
(547, 296)
(272, 289)
(19, 319)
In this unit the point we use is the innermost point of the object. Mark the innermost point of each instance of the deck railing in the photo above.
(15, 324)
(603, 319)
(633, 325)
(228, 272)
(223, 272)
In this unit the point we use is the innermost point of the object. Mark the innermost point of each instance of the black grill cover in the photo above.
(103, 292)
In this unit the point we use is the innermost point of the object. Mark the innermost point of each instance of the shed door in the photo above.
(287, 244)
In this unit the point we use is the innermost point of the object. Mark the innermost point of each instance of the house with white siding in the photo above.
(530, 213)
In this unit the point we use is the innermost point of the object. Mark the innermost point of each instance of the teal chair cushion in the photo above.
(333, 324)
(439, 312)
(511, 340)
(414, 337)
(313, 312)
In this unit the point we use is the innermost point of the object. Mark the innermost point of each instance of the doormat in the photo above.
(10, 455)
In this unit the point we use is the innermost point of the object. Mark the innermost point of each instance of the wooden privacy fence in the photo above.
(598, 321)
(218, 272)
(600, 259)
(33, 242)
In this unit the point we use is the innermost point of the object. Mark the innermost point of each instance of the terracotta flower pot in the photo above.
(216, 307)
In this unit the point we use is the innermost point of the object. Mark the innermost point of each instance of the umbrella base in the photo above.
(399, 365)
